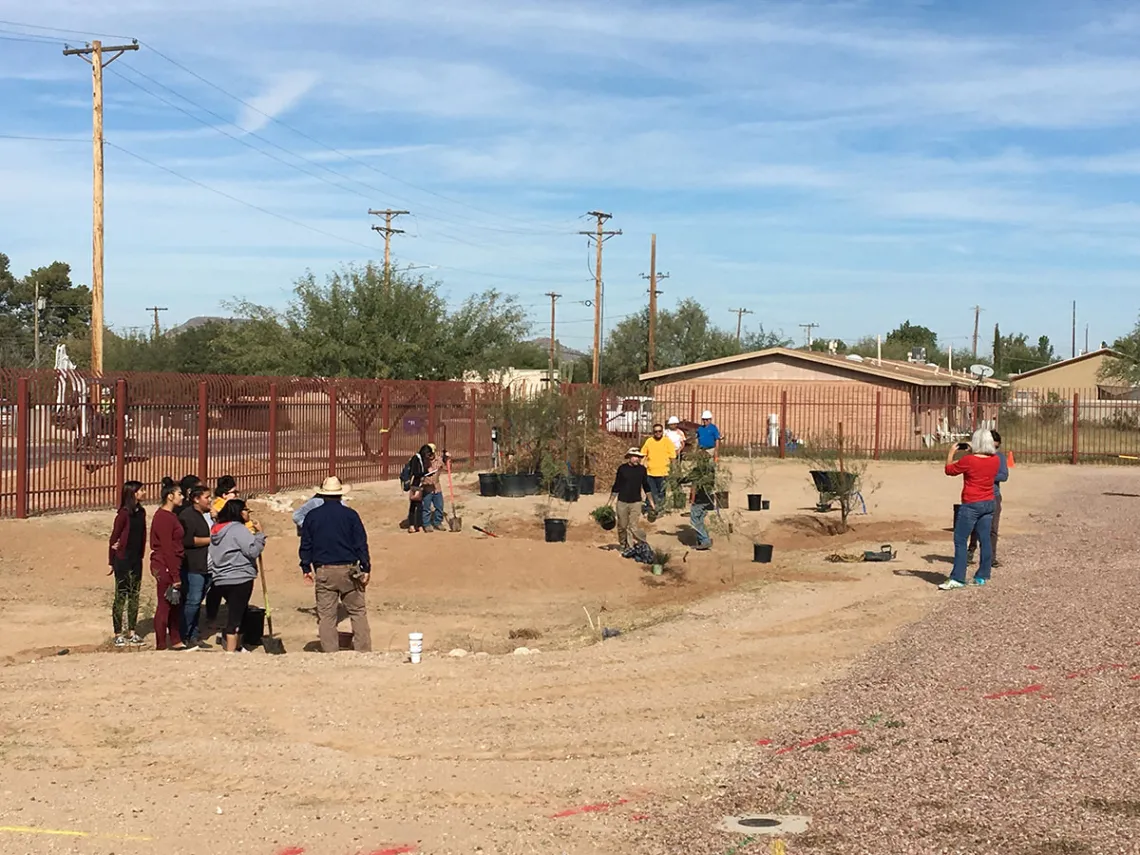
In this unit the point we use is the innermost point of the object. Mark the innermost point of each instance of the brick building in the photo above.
(886, 405)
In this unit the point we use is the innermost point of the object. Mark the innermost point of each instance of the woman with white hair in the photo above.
(978, 468)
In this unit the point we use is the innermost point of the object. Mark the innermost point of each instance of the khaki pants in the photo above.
(335, 585)
(628, 516)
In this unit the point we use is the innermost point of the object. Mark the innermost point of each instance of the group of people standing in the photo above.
(204, 549)
(421, 479)
(984, 468)
(640, 481)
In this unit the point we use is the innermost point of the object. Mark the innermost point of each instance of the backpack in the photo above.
(406, 474)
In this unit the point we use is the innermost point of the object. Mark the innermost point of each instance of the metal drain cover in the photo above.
(765, 824)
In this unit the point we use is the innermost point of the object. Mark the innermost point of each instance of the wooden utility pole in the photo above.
(553, 299)
(156, 310)
(95, 55)
(654, 277)
(599, 236)
(740, 313)
(387, 231)
(977, 317)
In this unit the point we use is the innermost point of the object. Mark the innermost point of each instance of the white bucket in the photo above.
(415, 646)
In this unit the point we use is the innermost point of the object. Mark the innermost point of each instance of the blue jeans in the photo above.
(657, 490)
(193, 590)
(433, 509)
(697, 516)
(979, 517)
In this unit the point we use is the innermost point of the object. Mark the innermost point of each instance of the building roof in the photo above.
(1104, 351)
(905, 372)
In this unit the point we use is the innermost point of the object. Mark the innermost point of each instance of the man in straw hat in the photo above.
(334, 559)
(631, 487)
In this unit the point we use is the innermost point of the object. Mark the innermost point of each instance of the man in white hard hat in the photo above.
(674, 432)
(708, 434)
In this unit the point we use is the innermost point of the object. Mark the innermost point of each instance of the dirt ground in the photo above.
(135, 751)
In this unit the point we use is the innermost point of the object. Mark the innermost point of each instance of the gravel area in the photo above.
(1007, 721)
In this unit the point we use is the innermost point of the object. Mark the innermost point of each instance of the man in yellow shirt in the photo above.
(659, 452)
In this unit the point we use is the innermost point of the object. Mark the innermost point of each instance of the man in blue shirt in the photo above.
(708, 434)
(1002, 475)
(334, 558)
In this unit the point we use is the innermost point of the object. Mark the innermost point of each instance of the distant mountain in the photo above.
(565, 354)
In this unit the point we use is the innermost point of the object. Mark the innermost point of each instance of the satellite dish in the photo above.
(983, 371)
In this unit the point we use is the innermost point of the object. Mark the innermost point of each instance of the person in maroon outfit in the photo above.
(125, 558)
(166, 534)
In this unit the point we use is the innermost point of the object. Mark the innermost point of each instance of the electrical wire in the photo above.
(43, 139)
(59, 30)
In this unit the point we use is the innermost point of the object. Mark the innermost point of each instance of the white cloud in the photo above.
(283, 94)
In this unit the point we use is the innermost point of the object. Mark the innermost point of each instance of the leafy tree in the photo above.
(997, 354)
(823, 345)
(684, 335)
(66, 316)
(910, 336)
(1016, 354)
(1124, 369)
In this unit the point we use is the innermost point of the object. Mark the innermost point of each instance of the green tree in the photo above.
(1124, 369)
(684, 335)
(910, 336)
(1016, 354)
(66, 316)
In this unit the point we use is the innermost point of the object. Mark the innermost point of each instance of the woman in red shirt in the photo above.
(128, 546)
(978, 468)
(166, 549)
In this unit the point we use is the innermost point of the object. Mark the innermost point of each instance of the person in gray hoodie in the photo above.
(234, 551)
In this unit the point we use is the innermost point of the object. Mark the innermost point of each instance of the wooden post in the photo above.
(693, 406)
(841, 448)
(783, 430)
(273, 403)
(120, 434)
(332, 430)
(471, 438)
(203, 431)
(431, 413)
(23, 422)
(878, 422)
(651, 362)
(386, 436)
(97, 210)
(1076, 427)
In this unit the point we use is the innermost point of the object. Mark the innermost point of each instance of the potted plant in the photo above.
(554, 525)
(755, 500)
(661, 559)
(605, 516)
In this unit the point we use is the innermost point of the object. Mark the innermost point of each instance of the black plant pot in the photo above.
(608, 525)
(762, 553)
(755, 501)
(514, 486)
(585, 485)
(488, 483)
(565, 489)
(555, 531)
(533, 484)
(765, 505)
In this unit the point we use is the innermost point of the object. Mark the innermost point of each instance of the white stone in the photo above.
(522, 651)
(458, 653)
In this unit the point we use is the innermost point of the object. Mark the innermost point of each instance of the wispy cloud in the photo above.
(283, 94)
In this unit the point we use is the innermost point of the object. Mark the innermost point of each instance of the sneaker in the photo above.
(703, 547)
(950, 585)
(135, 639)
(120, 641)
(977, 581)
(995, 563)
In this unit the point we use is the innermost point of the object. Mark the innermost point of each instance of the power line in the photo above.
(41, 139)
(59, 30)
(336, 151)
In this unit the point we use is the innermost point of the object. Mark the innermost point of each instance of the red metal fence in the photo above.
(67, 442)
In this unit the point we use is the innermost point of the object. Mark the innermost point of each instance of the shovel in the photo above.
(272, 644)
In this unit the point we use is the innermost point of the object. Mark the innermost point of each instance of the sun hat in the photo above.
(634, 452)
(707, 414)
(331, 486)
(673, 420)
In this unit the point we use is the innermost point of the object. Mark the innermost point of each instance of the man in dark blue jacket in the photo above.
(334, 558)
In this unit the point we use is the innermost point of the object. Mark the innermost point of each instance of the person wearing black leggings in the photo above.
(417, 468)
(127, 548)
(234, 551)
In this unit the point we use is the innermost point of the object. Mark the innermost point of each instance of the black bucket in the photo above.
(957, 508)
(755, 501)
(533, 484)
(488, 483)
(765, 505)
(252, 626)
(555, 531)
(762, 553)
(585, 485)
(514, 486)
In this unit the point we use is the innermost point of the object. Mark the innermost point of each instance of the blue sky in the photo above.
(850, 164)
